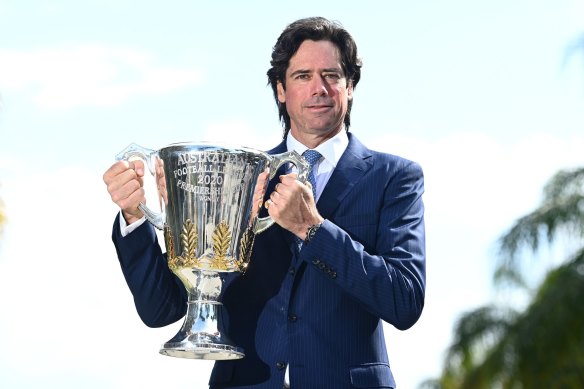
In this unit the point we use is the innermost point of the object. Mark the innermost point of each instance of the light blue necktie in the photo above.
(312, 157)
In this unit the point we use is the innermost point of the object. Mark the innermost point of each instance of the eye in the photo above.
(332, 76)
(302, 76)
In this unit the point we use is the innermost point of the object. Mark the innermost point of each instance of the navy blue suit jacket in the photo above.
(318, 310)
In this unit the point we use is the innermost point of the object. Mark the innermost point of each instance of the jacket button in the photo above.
(280, 365)
(292, 318)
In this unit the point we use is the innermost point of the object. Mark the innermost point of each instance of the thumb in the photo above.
(138, 166)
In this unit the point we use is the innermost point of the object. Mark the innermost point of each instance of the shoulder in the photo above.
(382, 160)
(280, 148)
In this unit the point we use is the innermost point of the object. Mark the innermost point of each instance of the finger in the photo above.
(259, 191)
(291, 176)
(274, 196)
(131, 202)
(115, 170)
(137, 165)
(122, 167)
(121, 191)
(127, 177)
(263, 175)
(288, 178)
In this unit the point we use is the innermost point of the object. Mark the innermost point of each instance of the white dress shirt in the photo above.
(331, 152)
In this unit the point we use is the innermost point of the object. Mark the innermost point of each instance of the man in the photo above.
(308, 312)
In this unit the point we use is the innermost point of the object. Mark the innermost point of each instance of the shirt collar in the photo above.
(332, 149)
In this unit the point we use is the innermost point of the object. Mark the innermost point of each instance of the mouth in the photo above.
(319, 107)
(319, 104)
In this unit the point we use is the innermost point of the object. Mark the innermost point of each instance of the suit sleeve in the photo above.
(387, 273)
(159, 297)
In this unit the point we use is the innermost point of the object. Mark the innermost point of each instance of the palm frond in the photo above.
(562, 210)
(474, 334)
(543, 346)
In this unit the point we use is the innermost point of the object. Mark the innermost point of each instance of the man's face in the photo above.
(317, 93)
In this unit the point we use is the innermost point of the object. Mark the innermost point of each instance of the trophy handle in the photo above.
(277, 160)
(147, 155)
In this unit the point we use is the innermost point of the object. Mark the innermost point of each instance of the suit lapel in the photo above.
(354, 162)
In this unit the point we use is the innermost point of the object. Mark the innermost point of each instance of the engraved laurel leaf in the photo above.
(169, 240)
(221, 240)
(189, 239)
(245, 247)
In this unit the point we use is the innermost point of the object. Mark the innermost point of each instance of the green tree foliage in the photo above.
(542, 346)
(561, 212)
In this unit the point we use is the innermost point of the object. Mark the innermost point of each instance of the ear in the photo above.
(350, 91)
(281, 92)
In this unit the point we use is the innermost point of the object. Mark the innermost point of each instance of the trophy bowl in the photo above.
(209, 217)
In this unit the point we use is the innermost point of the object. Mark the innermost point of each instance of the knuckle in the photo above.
(124, 204)
(133, 185)
(116, 197)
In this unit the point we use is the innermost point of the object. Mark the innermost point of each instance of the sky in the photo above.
(487, 96)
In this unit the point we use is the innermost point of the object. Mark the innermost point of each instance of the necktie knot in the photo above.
(312, 157)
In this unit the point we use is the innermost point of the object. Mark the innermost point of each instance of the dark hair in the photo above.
(316, 29)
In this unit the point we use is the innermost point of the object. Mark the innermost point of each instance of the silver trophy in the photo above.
(209, 216)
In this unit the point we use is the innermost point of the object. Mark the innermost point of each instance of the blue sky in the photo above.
(485, 95)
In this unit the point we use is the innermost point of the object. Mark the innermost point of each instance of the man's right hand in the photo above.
(125, 184)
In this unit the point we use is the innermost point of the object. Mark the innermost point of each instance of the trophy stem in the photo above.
(199, 336)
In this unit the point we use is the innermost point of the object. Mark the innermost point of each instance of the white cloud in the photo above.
(67, 77)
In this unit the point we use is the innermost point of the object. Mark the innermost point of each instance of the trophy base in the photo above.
(199, 336)
(207, 351)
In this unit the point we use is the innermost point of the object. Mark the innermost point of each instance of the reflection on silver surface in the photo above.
(209, 196)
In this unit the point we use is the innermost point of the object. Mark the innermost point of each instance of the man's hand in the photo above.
(258, 194)
(292, 205)
(125, 184)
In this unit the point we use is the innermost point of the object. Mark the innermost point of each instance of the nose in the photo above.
(319, 86)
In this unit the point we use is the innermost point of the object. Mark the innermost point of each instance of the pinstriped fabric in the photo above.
(354, 272)
(318, 310)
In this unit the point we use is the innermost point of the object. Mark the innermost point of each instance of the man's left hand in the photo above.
(292, 205)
